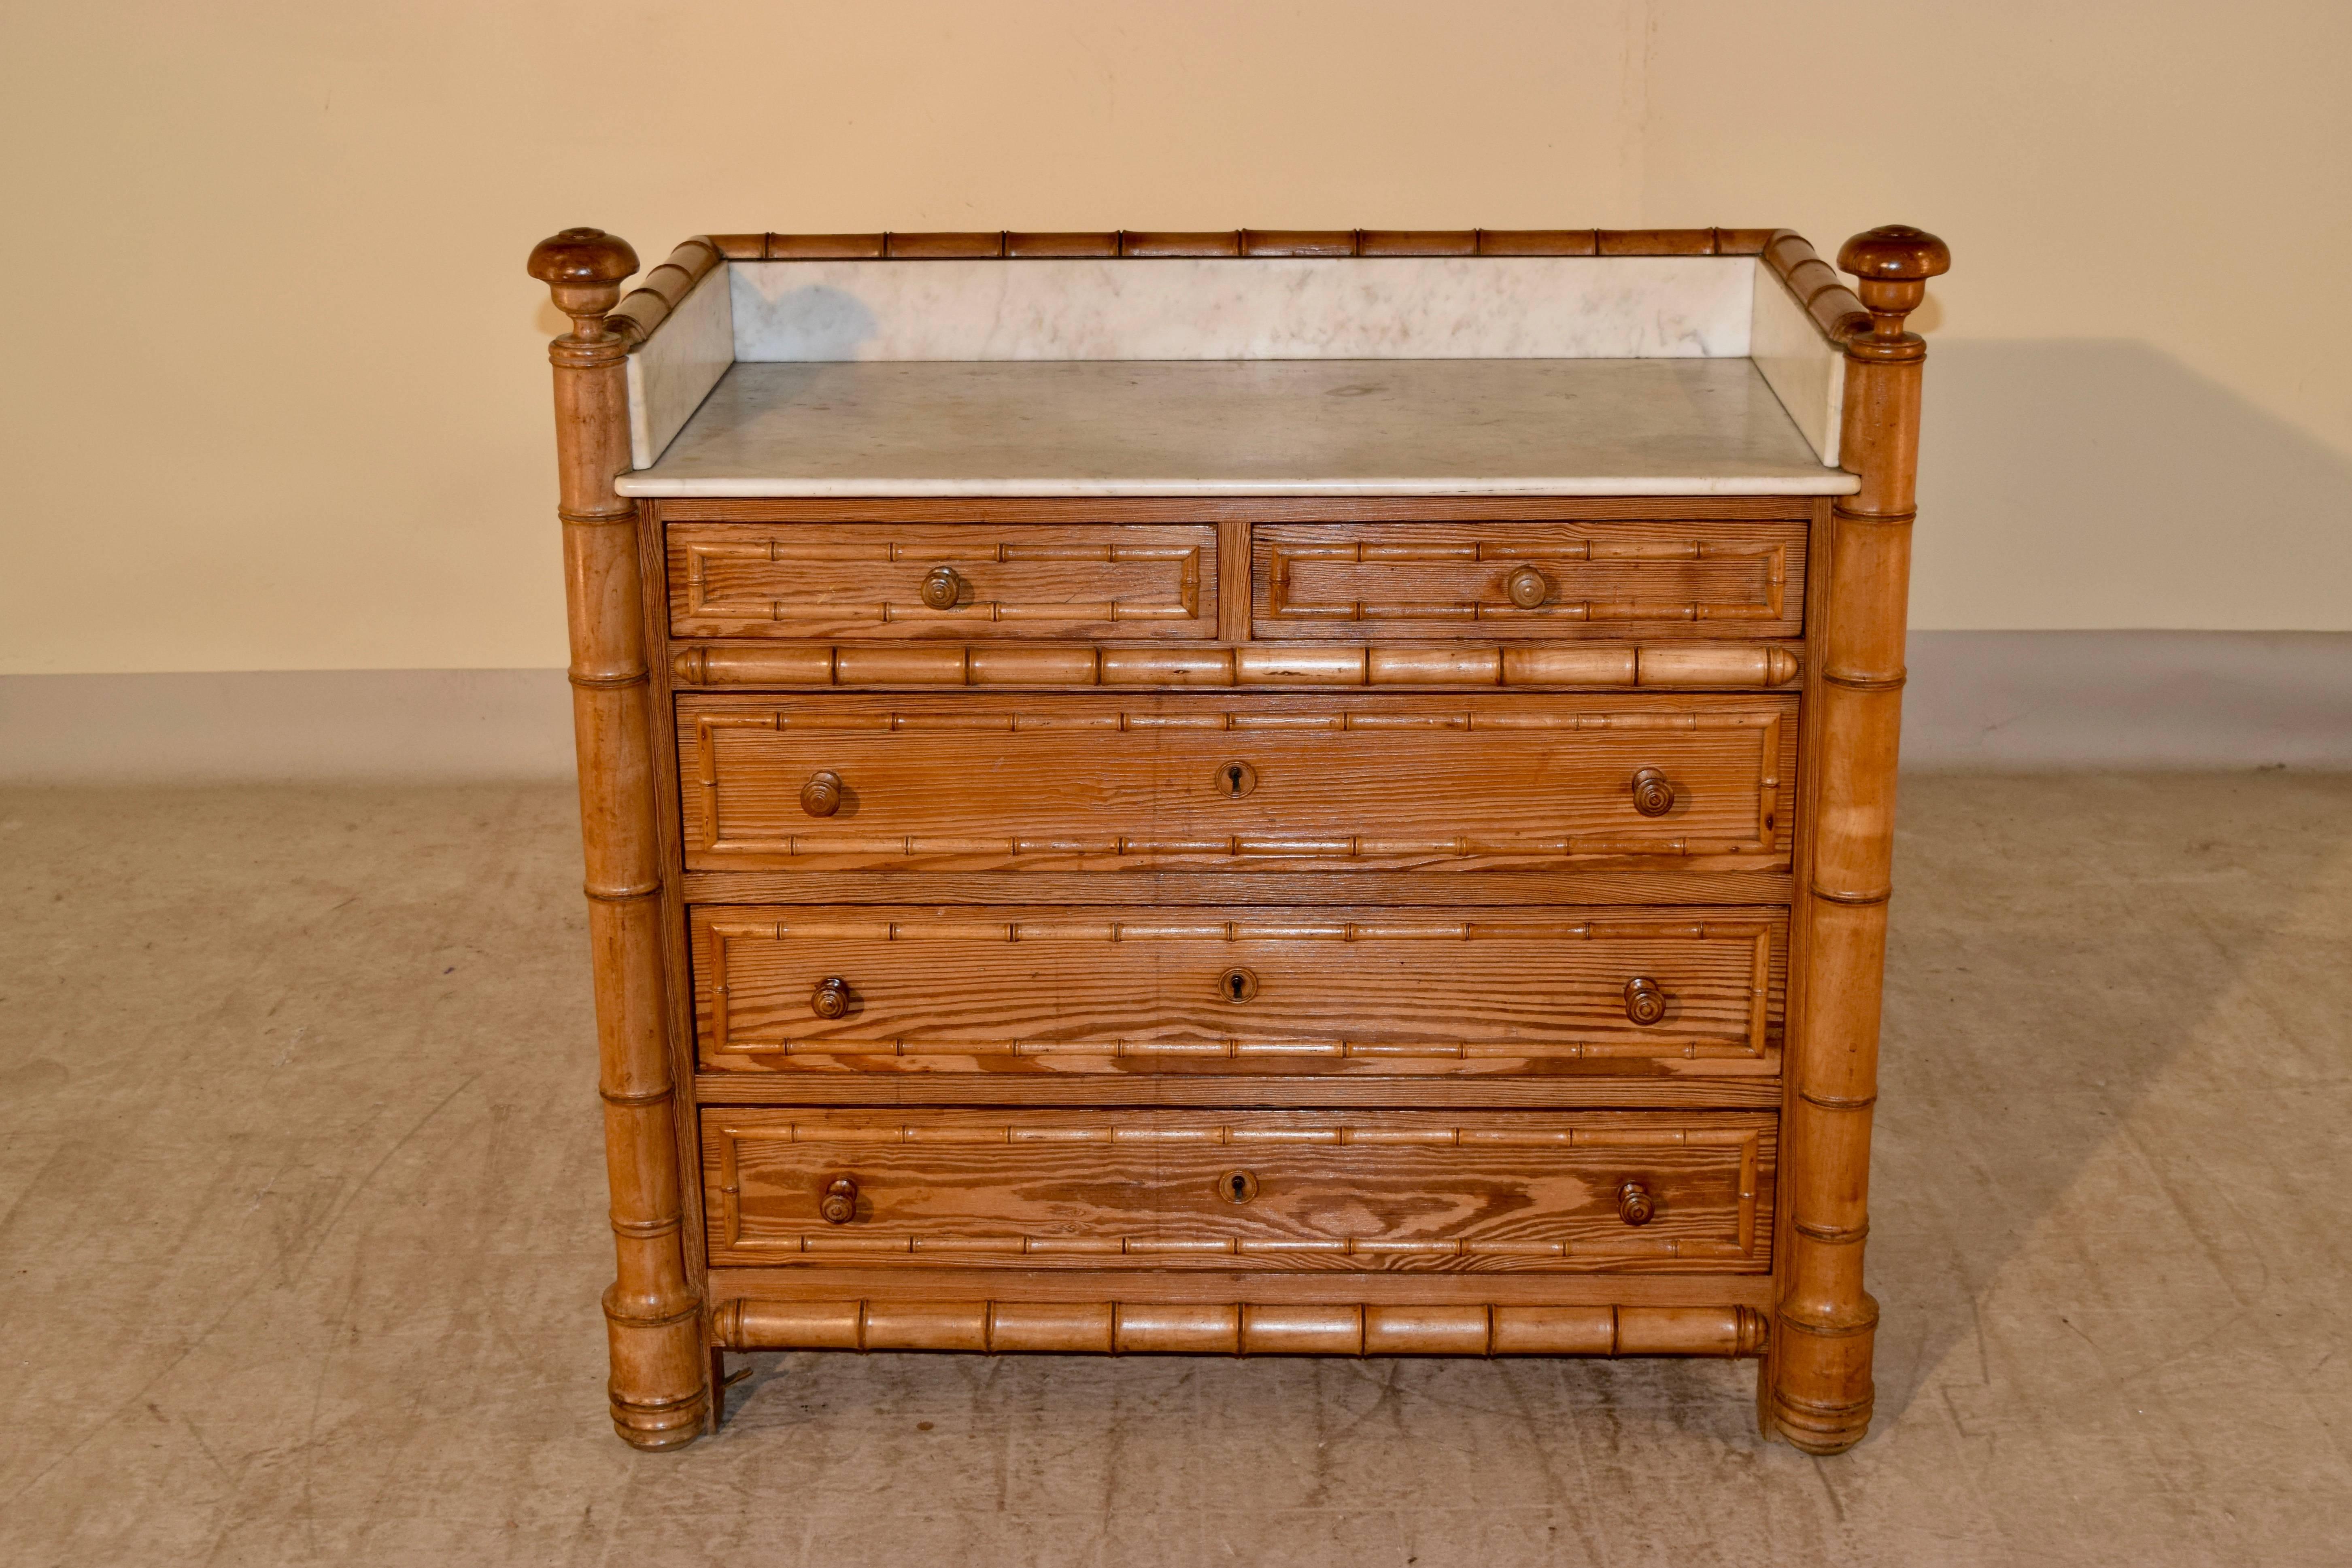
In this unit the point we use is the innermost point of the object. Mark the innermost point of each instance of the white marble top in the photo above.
(1307, 427)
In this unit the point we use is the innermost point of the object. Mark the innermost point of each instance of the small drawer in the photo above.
(1104, 784)
(1330, 1191)
(1529, 579)
(1248, 990)
(941, 580)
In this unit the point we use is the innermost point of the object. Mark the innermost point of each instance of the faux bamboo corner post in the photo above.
(652, 1317)
(1817, 1370)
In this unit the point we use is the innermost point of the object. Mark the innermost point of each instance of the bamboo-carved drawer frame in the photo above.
(1283, 601)
(720, 1037)
(698, 560)
(1762, 844)
(982, 1246)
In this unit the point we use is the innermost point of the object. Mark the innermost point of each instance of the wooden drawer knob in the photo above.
(839, 1203)
(1528, 587)
(1635, 1203)
(831, 998)
(942, 587)
(1653, 794)
(821, 796)
(1645, 1003)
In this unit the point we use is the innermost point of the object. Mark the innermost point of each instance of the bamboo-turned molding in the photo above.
(1563, 666)
(1832, 306)
(1145, 1328)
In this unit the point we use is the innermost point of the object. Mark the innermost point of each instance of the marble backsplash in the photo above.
(1803, 370)
(673, 371)
(1290, 308)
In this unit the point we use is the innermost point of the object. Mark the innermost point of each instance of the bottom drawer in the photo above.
(1581, 1192)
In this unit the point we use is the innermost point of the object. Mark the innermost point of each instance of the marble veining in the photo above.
(673, 371)
(1425, 427)
(1803, 367)
(1289, 307)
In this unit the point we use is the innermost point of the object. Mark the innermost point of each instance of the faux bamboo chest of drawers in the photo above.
(1246, 792)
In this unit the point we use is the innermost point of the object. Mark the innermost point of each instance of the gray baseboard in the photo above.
(1990, 701)
(2023, 701)
(287, 726)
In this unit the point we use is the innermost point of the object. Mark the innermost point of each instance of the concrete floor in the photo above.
(304, 1228)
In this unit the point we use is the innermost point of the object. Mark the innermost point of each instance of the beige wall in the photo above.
(275, 396)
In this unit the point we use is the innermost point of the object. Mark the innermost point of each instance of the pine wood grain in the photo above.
(1370, 782)
(1327, 1191)
(1692, 578)
(866, 580)
(1091, 990)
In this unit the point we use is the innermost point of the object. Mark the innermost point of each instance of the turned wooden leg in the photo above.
(1819, 1370)
(652, 1317)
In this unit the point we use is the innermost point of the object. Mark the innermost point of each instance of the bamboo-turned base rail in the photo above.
(1672, 665)
(1145, 1328)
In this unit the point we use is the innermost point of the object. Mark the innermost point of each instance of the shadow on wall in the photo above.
(2096, 484)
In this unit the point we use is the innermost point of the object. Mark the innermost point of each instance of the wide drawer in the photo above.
(1274, 1190)
(1289, 782)
(1368, 991)
(1527, 579)
(942, 580)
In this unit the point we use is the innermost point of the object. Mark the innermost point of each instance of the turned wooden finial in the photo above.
(584, 268)
(1894, 263)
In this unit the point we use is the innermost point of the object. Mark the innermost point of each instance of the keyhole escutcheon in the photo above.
(1237, 984)
(1237, 1186)
(1235, 779)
